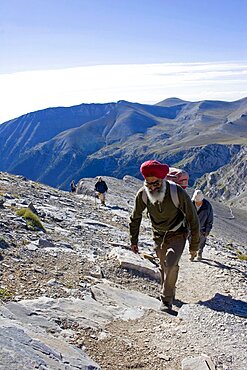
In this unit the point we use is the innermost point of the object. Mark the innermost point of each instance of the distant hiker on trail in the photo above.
(101, 189)
(73, 186)
(206, 218)
(168, 224)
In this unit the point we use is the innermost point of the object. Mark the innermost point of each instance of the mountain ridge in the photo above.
(57, 144)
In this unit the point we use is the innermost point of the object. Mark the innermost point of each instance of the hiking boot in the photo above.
(165, 306)
(199, 257)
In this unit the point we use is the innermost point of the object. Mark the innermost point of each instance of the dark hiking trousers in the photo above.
(203, 240)
(169, 249)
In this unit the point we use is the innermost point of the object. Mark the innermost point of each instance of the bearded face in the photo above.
(155, 189)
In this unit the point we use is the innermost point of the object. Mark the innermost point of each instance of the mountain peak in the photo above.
(171, 102)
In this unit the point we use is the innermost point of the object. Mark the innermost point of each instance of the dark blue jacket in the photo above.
(101, 186)
(206, 216)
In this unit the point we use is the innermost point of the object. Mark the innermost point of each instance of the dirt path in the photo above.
(161, 341)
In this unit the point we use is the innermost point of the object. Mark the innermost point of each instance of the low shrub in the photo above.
(31, 218)
(242, 257)
(4, 294)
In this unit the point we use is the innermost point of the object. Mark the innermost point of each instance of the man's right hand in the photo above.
(134, 248)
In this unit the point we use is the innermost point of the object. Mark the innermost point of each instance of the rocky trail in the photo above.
(75, 297)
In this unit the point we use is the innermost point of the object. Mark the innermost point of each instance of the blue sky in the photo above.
(54, 51)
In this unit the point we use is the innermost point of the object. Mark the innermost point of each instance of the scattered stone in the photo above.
(32, 208)
(134, 262)
(202, 362)
(45, 243)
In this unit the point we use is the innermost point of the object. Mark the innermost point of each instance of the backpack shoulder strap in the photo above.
(174, 193)
(144, 196)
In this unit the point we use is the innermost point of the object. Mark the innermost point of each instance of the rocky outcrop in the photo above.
(228, 184)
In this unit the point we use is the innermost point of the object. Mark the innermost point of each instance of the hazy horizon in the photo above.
(60, 53)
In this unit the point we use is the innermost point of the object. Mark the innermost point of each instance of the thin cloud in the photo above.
(25, 92)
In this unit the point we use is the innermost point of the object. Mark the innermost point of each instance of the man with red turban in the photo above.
(170, 224)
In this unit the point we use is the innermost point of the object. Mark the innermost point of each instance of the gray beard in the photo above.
(158, 195)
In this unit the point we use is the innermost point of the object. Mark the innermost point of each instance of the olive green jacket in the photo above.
(165, 216)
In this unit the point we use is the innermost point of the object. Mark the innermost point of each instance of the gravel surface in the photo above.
(210, 311)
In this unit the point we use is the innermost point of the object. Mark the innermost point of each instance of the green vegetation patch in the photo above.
(33, 221)
(4, 294)
(242, 257)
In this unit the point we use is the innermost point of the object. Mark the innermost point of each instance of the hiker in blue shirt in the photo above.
(101, 189)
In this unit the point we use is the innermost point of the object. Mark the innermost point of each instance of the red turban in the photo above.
(154, 169)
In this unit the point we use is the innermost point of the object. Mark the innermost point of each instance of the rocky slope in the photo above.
(228, 183)
(74, 297)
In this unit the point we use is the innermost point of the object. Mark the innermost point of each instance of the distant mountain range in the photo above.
(56, 145)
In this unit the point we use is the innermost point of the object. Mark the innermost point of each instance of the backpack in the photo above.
(180, 177)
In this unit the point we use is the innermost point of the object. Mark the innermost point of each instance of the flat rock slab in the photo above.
(26, 339)
(202, 362)
(108, 303)
(130, 304)
(24, 346)
(135, 262)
